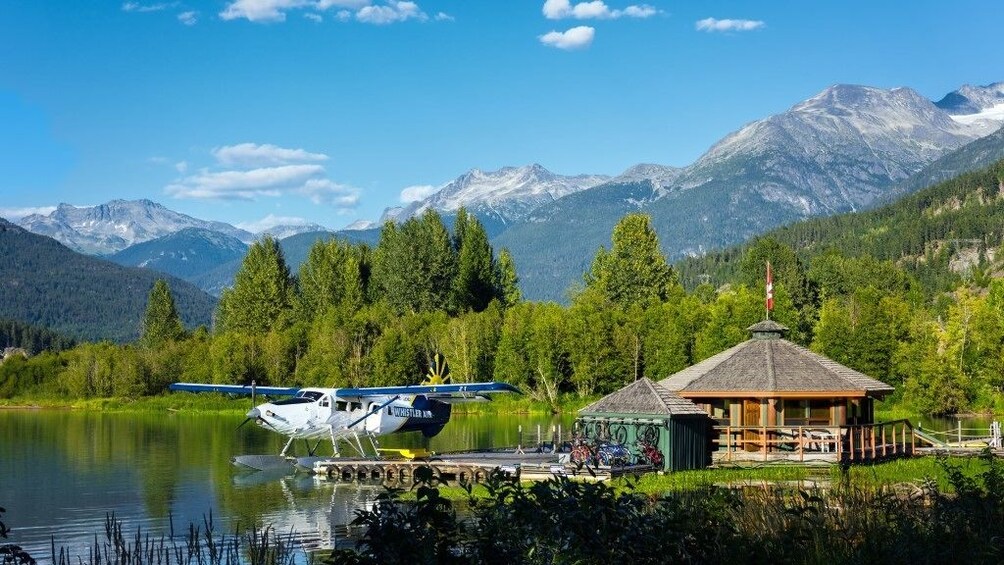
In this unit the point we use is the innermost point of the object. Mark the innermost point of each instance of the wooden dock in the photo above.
(468, 467)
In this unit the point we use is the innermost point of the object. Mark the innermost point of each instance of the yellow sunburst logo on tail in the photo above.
(439, 371)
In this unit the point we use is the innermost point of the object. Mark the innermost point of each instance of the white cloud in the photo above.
(576, 38)
(261, 10)
(244, 185)
(593, 10)
(189, 18)
(271, 221)
(393, 11)
(444, 17)
(251, 171)
(352, 4)
(366, 11)
(137, 7)
(712, 25)
(314, 17)
(343, 197)
(417, 192)
(254, 155)
(15, 214)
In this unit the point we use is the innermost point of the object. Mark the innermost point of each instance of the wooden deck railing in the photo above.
(836, 443)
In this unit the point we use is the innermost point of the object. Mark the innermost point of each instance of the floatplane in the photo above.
(351, 415)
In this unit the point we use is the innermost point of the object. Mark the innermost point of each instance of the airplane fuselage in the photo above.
(316, 413)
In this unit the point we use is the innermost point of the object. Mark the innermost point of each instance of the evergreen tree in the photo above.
(634, 270)
(415, 265)
(474, 286)
(508, 281)
(331, 278)
(262, 293)
(161, 322)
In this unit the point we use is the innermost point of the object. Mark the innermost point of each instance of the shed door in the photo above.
(751, 418)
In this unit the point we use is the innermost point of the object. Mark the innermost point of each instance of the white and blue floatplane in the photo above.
(352, 415)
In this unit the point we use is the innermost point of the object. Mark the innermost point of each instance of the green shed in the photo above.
(645, 414)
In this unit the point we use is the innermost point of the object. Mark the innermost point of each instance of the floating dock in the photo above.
(467, 467)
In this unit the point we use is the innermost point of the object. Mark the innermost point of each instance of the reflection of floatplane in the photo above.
(354, 414)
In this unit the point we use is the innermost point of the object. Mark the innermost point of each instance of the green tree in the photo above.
(475, 283)
(332, 277)
(634, 270)
(161, 322)
(262, 294)
(415, 265)
(508, 281)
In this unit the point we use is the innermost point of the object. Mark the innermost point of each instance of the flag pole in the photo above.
(770, 291)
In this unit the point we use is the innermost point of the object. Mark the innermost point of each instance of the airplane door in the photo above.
(324, 407)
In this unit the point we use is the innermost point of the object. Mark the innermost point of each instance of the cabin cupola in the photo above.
(767, 329)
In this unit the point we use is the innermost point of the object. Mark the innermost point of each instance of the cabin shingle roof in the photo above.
(643, 397)
(769, 364)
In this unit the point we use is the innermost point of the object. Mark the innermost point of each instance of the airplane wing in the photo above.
(234, 389)
(440, 392)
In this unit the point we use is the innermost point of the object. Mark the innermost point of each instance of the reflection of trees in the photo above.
(171, 456)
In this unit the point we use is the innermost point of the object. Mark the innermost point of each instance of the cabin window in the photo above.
(806, 412)
(325, 402)
(720, 410)
(340, 405)
(353, 406)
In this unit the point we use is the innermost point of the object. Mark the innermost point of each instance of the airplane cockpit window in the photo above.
(302, 397)
(325, 402)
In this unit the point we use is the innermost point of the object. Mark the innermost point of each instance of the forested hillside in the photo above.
(44, 283)
(32, 339)
(940, 235)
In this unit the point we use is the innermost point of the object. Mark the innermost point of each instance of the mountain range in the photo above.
(847, 148)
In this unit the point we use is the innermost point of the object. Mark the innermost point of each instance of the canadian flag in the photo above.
(770, 289)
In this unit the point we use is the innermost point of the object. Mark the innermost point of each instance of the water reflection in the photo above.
(62, 472)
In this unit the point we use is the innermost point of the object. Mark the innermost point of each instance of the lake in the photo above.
(62, 472)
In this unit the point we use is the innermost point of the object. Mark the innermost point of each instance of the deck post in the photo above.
(728, 443)
(873, 442)
(863, 444)
(801, 443)
(885, 450)
(763, 439)
(840, 445)
(960, 432)
(850, 434)
(913, 442)
(904, 437)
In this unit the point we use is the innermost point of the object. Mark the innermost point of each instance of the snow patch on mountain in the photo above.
(118, 224)
(508, 194)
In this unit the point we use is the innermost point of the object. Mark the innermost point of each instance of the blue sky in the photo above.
(325, 110)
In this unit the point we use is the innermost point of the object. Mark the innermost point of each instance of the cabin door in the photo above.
(751, 419)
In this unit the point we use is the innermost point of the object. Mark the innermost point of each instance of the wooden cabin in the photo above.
(773, 399)
(645, 415)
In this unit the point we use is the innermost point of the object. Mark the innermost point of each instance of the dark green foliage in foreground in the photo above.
(32, 339)
(563, 521)
(11, 554)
